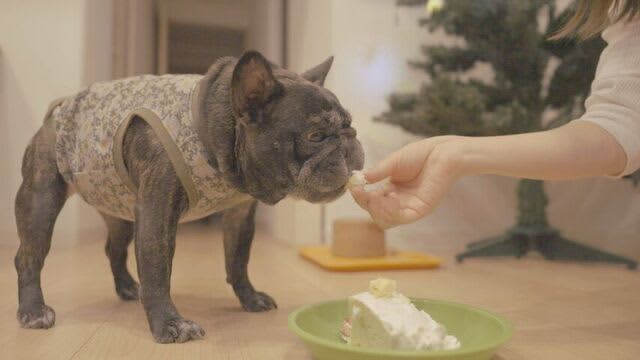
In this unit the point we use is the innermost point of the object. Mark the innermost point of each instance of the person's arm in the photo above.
(576, 150)
(421, 173)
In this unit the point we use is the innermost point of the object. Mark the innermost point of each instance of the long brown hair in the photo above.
(592, 16)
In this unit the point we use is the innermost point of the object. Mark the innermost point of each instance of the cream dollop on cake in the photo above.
(382, 318)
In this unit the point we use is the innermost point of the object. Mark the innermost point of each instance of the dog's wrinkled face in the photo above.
(293, 136)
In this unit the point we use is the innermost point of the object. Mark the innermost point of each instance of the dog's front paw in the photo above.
(36, 317)
(257, 301)
(177, 330)
(127, 291)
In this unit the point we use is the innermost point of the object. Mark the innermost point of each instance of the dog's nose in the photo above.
(348, 132)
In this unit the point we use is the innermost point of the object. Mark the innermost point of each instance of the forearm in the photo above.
(576, 150)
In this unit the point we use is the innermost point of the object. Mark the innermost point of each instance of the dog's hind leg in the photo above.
(40, 198)
(118, 240)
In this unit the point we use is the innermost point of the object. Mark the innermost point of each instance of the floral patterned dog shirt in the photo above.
(90, 128)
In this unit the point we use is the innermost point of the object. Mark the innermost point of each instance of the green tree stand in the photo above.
(532, 232)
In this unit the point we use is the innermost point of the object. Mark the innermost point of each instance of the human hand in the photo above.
(420, 174)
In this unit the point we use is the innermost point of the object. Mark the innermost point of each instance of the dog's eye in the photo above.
(316, 136)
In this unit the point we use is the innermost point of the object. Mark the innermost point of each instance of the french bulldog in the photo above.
(268, 132)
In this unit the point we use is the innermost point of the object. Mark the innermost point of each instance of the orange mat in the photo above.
(394, 260)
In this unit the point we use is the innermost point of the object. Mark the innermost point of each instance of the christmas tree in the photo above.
(511, 37)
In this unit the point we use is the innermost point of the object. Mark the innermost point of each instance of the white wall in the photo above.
(371, 41)
(133, 37)
(265, 28)
(47, 49)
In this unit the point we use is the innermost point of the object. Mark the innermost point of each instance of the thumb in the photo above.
(382, 170)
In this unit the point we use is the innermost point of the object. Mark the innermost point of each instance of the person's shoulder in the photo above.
(623, 30)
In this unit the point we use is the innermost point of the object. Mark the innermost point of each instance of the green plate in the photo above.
(480, 332)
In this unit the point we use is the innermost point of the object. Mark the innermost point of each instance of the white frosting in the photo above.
(393, 322)
(382, 287)
(357, 179)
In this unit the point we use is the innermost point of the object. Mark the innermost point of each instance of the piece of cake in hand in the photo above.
(357, 179)
(382, 318)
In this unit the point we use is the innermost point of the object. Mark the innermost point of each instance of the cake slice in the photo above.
(382, 318)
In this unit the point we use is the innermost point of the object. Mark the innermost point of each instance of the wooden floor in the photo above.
(560, 311)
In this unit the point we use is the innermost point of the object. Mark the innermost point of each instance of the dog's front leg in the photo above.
(157, 212)
(238, 235)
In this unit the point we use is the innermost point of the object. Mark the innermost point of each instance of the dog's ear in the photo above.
(318, 73)
(252, 86)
